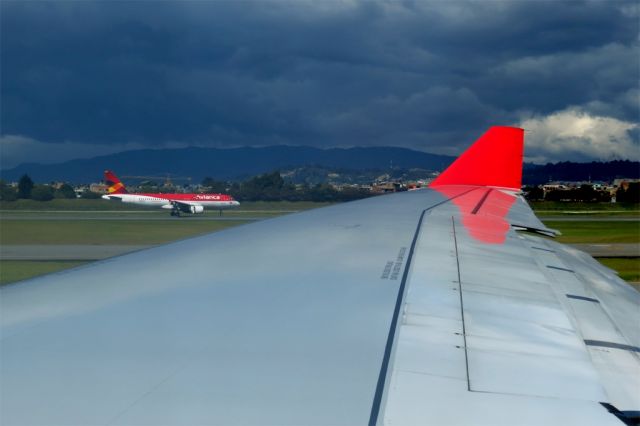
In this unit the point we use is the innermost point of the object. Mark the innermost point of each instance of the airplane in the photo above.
(186, 203)
(449, 305)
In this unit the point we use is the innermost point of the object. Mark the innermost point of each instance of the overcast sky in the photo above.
(81, 78)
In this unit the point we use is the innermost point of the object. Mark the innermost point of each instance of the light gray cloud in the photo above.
(573, 133)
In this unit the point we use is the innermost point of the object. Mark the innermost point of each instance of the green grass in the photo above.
(628, 268)
(68, 204)
(555, 208)
(596, 232)
(16, 270)
(98, 232)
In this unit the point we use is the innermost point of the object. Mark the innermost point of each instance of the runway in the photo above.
(610, 250)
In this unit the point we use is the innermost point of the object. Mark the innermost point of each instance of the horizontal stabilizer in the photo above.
(493, 160)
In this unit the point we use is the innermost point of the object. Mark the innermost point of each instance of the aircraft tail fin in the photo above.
(113, 183)
(493, 160)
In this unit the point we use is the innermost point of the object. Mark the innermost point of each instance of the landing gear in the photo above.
(175, 211)
(220, 212)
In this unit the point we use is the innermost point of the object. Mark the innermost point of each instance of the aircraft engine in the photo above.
(196, 209)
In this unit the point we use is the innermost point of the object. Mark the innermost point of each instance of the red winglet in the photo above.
(493, 160)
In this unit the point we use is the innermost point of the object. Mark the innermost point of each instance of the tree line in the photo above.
(27, 189)
(266, 187)
(585, 194)
(272, 187)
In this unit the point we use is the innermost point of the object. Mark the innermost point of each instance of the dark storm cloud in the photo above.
(418, 74)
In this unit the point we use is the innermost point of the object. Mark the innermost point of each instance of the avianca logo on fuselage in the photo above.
(212, 197)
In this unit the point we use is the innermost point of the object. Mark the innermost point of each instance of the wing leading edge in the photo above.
(409, 308)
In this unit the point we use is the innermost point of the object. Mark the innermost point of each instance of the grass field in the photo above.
(627, 268)
(554, 208)
(105, 231)
(597, 232)
(603, 232)
(87, 231)
(67, 204)
(16, 270)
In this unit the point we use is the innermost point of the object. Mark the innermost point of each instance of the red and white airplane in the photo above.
(177, 203)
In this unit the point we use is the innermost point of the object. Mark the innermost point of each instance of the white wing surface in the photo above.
(425, 307)
(524, 332)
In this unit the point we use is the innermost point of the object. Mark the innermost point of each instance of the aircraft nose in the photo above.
(106, 197)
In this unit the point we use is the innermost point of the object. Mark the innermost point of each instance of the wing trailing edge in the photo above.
(493, 160)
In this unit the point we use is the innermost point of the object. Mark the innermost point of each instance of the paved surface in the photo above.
(96, 252)
(610, 250)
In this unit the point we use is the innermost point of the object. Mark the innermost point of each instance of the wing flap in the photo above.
(490, 308)
(434, 399)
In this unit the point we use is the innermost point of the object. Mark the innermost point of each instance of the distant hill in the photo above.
(227, 164)
(241, 163)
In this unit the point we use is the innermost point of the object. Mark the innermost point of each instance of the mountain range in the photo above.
(225, 164)
(241, 163)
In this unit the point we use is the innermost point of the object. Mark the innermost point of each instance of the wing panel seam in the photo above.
(377, 399)
(464, 330)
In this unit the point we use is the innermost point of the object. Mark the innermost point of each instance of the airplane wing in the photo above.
(187, 206)
(423, 307)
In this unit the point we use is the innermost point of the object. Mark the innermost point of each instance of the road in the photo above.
(610, 250)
